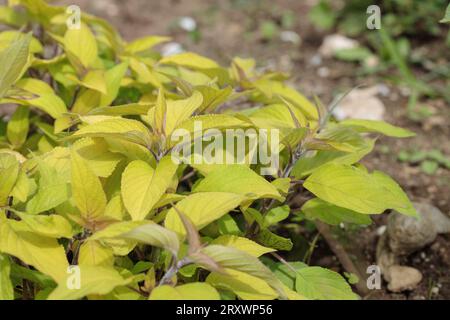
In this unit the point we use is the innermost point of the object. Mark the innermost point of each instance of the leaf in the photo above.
(18, 126)
(271, 240)
(190, 60)
(355, 189)
(190, 291)
(243, 244)
(143, 186)
(52, 226)
(231, 258)
(144, 44)
(446, 18)
(331, 214)
(273, 89)
(180, 110)
(93, 253)
(119, 128)
(95, 80)
(44, 98)
(81, 43)
(377, 126)
(9, 172)
(97, 155)
(159, 118)
(150, 234)
(113, 79)
(307, 165)
(43, 253)
(276, 215)
(53, 190)
(243, 285)
(94, 281)
(6, 287)
(87, 190)
(238, 179)
(201, 210)
(12, 62)
(323, 284)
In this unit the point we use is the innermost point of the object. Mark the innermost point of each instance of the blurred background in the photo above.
(400, 74)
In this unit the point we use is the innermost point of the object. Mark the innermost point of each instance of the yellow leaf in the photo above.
(243, 285)
(190, 291)
(87, 191)
(202, 209)
(43, 253)
(143, 186)
(243, 244)
(93, 253)
(82, 44)
(93, 280)
(190, 60)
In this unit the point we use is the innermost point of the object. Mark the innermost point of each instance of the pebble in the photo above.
(402, 278)
(290, 36)
(171, 48)
(332, 43)
(351, 107)
(187, 23)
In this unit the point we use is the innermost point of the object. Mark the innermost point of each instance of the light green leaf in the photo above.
(323, 284)
(87, 190)
(356, 189)
(18, 126)
(52, 226)
(190, 291)
(119, 128)
(243, 244)
(318, 209)
(143, 186)
(201, 210)
(93, 253)
(12, 62)
(43, 253)
(94, 280)
(243, 285)
(6, 287)
(81, 43)
(44, 98)
(238, 179)
(52, 191)
(144, 44)
(190, 60)
(382, 127)
(231, 258)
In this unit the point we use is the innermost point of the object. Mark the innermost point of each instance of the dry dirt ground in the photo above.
(231, 28)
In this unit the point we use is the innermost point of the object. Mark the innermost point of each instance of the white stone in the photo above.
(335, 42)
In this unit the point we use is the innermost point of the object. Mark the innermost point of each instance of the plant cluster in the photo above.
(93, 205)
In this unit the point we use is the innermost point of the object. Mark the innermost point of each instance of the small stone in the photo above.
(335, 42)
(435, 290)
(402, 278)
(171, 48)
(423, 255)
(381, 230)
(290, 36)
(187, 23)
(323, 72)
(316, 60)
(361, 104)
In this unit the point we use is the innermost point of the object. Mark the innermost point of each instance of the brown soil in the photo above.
(230, 28)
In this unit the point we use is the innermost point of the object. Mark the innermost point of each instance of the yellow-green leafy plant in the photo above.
(93, 205)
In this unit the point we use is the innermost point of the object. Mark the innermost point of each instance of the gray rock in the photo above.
(407, 235)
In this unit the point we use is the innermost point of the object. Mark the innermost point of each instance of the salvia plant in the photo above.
(93, 203)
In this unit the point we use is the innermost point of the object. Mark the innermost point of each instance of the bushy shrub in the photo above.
(94, 204)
